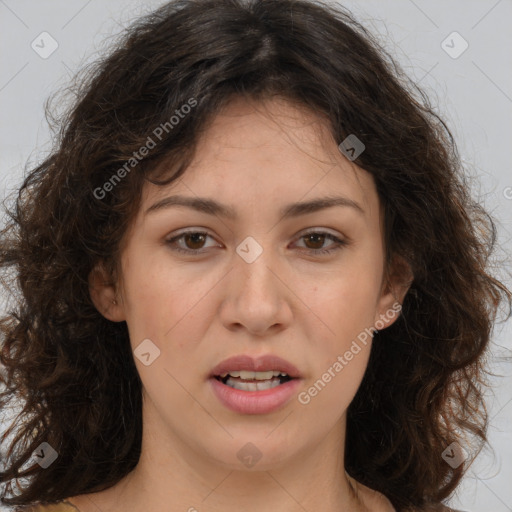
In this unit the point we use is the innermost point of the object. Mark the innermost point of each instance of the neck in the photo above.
(173, 476)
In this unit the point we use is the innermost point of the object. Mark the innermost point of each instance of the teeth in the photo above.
(246, 375)
(252, 386)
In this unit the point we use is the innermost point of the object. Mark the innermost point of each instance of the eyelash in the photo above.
(338, 245)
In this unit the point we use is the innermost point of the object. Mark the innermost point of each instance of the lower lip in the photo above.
(255, 402)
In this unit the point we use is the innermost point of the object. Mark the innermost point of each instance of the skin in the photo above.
(200, 310)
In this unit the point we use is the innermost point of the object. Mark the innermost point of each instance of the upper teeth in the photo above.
(243, 374)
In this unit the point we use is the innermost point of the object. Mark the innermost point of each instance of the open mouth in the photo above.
(248, 385)
(253, 381)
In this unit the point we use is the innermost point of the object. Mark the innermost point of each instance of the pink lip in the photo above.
(254, 402)
(259, 364)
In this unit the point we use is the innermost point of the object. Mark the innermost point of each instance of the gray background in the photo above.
(473, 92)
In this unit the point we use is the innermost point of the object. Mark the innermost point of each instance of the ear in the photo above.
(103, 294)
(396, 284)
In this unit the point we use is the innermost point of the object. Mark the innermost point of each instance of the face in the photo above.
(268, 279)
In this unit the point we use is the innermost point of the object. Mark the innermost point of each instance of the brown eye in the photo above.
(314, 242)
(317, 240)
(194, 241)
(191, 242)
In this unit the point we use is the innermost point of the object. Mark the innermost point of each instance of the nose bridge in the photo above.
(256, 296)
(254, 264)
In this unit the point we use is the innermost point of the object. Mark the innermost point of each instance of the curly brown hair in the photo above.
(73, 370)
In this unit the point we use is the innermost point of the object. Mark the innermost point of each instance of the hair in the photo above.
(73, 370)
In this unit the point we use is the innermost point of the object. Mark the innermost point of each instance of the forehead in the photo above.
(262, 153)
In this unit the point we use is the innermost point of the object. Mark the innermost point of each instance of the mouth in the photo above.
(253, 381)
(250, 385)
(267, 370)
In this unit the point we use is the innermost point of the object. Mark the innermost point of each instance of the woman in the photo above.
(238, 290)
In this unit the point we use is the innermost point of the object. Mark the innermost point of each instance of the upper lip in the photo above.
(255, 364)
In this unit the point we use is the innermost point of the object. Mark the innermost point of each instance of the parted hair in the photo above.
(72, 370)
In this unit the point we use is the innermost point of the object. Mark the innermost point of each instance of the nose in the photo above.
(257, 297)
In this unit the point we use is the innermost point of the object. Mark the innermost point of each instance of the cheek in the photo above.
(149, 298)
(341, 356)
(168, 306)
(340, 359)
(349, 304)
(330, 394)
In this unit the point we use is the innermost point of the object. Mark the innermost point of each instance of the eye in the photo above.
(318, 238)
(194, 241)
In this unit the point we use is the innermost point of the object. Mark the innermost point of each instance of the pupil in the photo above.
(320, 238)
(195, 236)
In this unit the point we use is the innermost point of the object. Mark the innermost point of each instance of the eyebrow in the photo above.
(212, 207)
